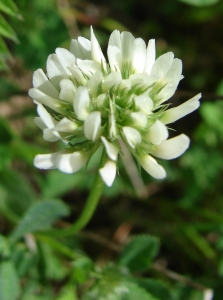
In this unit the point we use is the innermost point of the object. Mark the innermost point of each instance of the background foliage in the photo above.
(157, 240)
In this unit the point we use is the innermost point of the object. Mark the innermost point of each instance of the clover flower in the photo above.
(87, 102)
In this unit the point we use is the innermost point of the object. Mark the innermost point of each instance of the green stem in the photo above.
(89, 208)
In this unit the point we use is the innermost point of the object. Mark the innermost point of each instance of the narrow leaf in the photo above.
(200, 2)
(3, 65)
(6, 30)
(40, 216)
(9, 7)
(200, 242)
(138, 254)
(3, 48)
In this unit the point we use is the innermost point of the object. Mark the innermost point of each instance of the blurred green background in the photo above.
(185, 211)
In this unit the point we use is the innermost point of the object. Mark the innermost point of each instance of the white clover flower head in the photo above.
(88, 102)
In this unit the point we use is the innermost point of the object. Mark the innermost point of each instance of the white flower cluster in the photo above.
(88, 102)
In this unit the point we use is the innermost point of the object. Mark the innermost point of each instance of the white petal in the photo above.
(81, 48)
(108, 172)
(115, 39)
(42, 83)
(113, 79)
(102, 100)
(157, 133)
(50, 135)
(96, 52)
(172, 148)
(139, 119)
(150, 56)
(39, 78)
(111, 149)
(208, 294)
(88, 67)
(132, 136)
(166, 93)
(45, 161)
(65, 162)
(40, 97)
(174, 72)
(67, 90)
(173, 114)
(48, 120)
(142, 80)
(54, 67)
(78, 75)
(162, 64)
(70, 162)
(93, 83)
(127, 40)
(38, 121)
(152, 167)
(125, 85)
(66, 125)
(169, 82)
(81, 102)
(138, 55)
(113, 134)
(115, 58)
(92, 126)
(65, 57)
(55, 71)
(144, 104)
(115, 51)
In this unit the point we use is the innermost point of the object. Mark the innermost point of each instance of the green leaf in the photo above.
(184, 292)
(9, 283)
(9, 7)
(81, 269)
(200, 2)
(6, 30)
(52, 186)
(138, 254)
(155, 287)
(109, 285)
(23, 259)
(68, 293)
(3, 48)
(136, 292)
(50, 267)
(4, 247)
(33, 290)
(40, 216)
(19, 194)
(115, 284)
(212, 115)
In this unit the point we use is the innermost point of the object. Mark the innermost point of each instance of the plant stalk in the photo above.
(89, 208)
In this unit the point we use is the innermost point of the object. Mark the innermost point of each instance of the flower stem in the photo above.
(89, 208)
